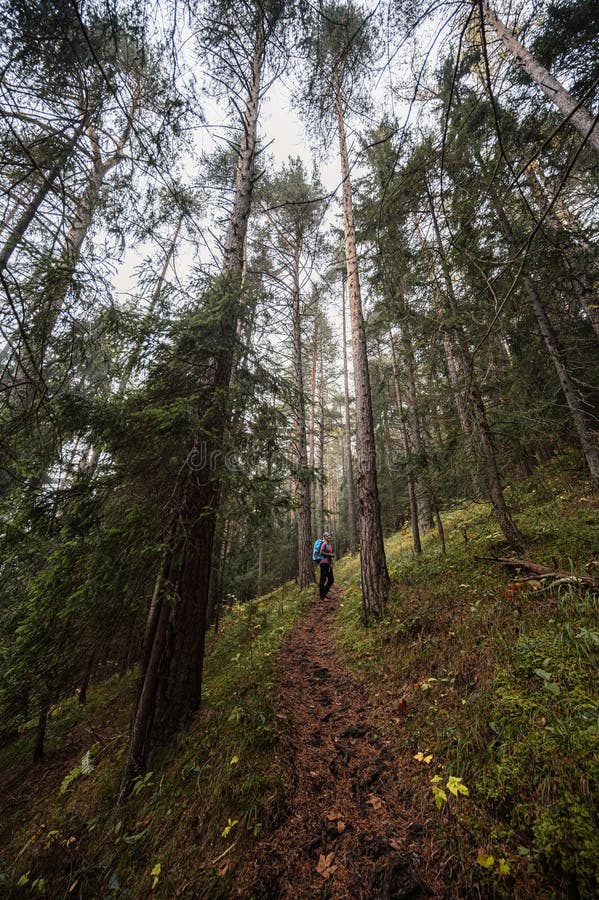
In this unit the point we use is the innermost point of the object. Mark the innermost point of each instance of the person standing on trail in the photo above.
(326, 565)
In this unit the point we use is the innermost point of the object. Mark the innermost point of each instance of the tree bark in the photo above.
(581, 283)
(56, 284)
(415, 432)
(586, 436)
(31, 209)
(416, 543)
(476, 403)
(349, 469)
(169, 690)
(40, 734)
(456, 376)
(587, 439)
(312, 436)
(375, 577)
(321, 440)
(571, 109)
(305, 567)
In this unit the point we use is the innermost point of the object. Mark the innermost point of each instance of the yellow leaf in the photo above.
(455, 786)
(231, 823)
(422, 758)
(440, 797)
(504, 867)
(234, 761)
(483, 860)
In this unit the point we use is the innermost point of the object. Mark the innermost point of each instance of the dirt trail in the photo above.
(347, 831)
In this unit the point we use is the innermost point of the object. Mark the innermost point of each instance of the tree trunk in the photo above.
(575, 403)
(456, 380)
(585, 433)
(375, 577)
(349, 469)
(312, 436)
(416, 543)
(169, 691)
(32, 208)
(572, 109)
(581, 283)
(321, 440)
(56, 284)
(40, 734)
(305, 567)
(415, 433)
(87, 674)
(477, 406)
(135, 355)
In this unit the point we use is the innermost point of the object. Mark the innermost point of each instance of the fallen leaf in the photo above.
(420, 757)
(333, 815)
(340, 827)
(375, 801)
(325, 865)
(223, 870)
(396, 844)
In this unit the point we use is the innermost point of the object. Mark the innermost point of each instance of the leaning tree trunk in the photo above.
(476, 402)
(572, 109)
(586, 436)
(349, 469)
(32, 208)
(456, 375)
(581, 283)
(170, 683)
(575, 403)
(57, 283)
(375, 577)
(305, 568)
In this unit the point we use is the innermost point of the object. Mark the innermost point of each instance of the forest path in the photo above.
(347, 830)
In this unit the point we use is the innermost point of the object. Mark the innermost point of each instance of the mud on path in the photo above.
(347, 830)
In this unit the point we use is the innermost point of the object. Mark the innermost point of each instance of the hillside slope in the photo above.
(484, 693)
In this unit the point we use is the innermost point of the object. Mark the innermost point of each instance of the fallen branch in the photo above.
(544, 571)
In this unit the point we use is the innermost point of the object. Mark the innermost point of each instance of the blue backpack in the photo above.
(316, 557)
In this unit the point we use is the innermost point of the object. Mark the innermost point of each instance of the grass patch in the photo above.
(499, 688)
(189, 817)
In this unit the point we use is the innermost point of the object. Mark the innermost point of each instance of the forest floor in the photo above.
(450, 750)
(349, 828)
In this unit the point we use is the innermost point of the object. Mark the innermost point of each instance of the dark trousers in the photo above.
(326, 579)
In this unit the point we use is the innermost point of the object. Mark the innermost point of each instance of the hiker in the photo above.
(323, 553)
